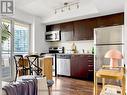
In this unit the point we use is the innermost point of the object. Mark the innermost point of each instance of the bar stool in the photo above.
(34, 64)
(19, 63)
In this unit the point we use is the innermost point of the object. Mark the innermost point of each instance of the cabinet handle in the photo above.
(90, 56)
(90, 60)
(115, 24)
(90, 65)
(90, 70)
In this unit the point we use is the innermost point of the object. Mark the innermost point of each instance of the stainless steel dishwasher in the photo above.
(63, 64)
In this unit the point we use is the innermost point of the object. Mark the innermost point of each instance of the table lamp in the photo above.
(114, 56)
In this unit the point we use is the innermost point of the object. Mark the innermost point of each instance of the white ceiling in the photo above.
(45, 8)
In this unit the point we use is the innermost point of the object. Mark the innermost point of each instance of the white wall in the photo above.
(80, 45)
(39, 44)
(22, 16)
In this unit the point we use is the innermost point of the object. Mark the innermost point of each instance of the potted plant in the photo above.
(5, 33)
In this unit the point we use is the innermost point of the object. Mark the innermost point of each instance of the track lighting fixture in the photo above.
(67, 7)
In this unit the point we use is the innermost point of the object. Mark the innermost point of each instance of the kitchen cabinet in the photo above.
(110, 20)
(55, 27)
(74, 66)
(83, 29)
(67, 31)
(82, 66)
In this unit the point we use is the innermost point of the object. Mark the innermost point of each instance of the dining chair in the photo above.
(33, 61)
(19, 63)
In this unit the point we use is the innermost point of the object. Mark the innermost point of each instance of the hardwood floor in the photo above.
(69, 86)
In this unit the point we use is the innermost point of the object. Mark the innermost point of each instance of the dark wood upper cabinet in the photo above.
(55, 27)
(67, 31)
(48, 28)
(83, 30)
(110, 20)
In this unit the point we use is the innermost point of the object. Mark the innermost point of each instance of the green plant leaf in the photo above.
(4, 31)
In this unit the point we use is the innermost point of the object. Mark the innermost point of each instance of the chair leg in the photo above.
(31, 72)
(49, 90)
(16, 75)
(24, 71)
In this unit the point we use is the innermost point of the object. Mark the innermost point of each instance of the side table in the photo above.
(110, 74)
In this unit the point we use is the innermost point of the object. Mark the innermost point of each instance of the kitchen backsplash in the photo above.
(81, 46)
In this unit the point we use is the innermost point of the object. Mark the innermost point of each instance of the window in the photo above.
(6, 53)
(18, 43)
(21, 38)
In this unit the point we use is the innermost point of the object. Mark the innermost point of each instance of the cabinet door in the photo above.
(55, 27)
(79, 66)
(110, 20)
(83, 30)
(83, 66)
(74, 66)
(79, 28)
(67, 31)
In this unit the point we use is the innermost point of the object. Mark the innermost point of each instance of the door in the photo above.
(83, 66)
(74, 66)
(67, 31)
(84, 29)
(7, 46)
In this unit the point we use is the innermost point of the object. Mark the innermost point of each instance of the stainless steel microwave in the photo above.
(53, 36)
